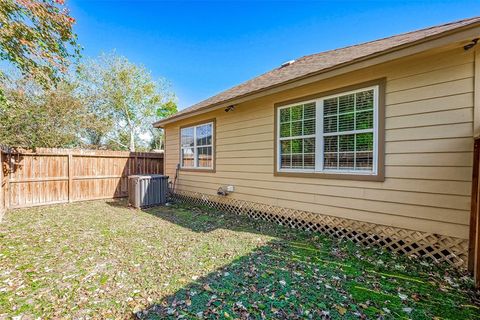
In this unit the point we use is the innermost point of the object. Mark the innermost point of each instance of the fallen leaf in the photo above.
(341, 310)
(207, 287)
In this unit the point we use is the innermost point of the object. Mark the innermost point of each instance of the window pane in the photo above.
(286, 147)
(204, 134)
(309, 111)
(330, 106)
(297, 161)
(298, 121)
(286, 161)
(364, 141)
(345, 122)
(297, 146)
(364, 160)
(309, 153)
(309, 127)
(204, 155)
(330, 161)
(297, 112)
(187, 137)
(309, 145)
(349, 113)
(285, 115)
(309, 161)
(296, 128)
(330, 124)
(364, 120)
(364, 100)
(347, 142)
(346, 103)
(346, 160)
(331, 144)
(297, 153)
(285, 130)
(187, 157)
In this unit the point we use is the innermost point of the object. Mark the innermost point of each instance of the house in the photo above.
(372, 142)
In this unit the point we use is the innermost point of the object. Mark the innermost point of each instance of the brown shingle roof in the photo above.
(316, 63)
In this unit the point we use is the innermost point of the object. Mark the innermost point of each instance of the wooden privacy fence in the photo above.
(49, 176)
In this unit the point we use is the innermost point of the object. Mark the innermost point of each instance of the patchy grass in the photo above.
(103, 260)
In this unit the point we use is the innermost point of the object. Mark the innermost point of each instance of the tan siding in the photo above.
(425, 79)
(266, 128)
(431, 119)
(430, 173)
(441, 145)
(463, 159)
(267, 136)
(245, 124)
(246, 154)
(425, 186)
(430, 132)
(433, 91)
(392, 196)
(452, 102)
(426, 65)
(429, 114)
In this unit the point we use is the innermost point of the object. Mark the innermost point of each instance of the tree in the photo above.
(32, 116)
(165, 110)
(37, 37)
(126, 93)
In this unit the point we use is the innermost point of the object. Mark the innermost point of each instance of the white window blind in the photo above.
(197, 146)
(332, 134)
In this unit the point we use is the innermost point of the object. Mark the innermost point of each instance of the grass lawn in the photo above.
(102, 260)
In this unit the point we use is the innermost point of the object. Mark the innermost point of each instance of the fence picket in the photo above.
(47, 176)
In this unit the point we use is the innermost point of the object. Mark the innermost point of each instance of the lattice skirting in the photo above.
(437, 247)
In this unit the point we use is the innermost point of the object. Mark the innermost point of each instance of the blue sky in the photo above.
(203, 48)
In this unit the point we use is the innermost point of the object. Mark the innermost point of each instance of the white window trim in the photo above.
(319, 151)
(195, 147)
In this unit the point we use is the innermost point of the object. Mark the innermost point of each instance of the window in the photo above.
(297, 136)
(197, 146)
(334, 134)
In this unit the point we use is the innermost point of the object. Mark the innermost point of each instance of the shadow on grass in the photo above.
(204, 219)
(298, 275)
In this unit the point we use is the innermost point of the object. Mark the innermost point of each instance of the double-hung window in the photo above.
(197, 146)
(336, 134)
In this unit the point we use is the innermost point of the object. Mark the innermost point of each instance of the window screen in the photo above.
(197, 146)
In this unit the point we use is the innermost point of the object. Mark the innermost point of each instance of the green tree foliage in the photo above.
(33, 116)
(165, 110)
(110, 102)
(37, 37)
(126, 95)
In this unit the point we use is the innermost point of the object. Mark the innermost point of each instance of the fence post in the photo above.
(2, 190)
(7, 180)
(136, 165)
(70, 177)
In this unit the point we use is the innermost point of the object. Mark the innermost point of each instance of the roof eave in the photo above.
(464, 33)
